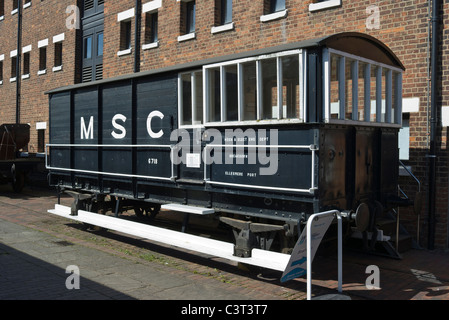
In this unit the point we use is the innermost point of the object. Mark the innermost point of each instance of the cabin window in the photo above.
(358, 89)
(190, 99)
(266, 87)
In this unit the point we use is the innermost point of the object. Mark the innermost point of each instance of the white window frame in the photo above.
(259, 120)
(150, 8)
(324, 5)
(388, 95)
(194, 100)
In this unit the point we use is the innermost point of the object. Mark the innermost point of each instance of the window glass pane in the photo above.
(100, 44)
(186, 99)
(384, 95)
(269, 89)
(88, 48)
(349, 66)
(213, 88)
(395, 96)
(231, 90)
(199, 98)
(249, 91)
(334, 87)
(190, 21)
(43, 58)
(290, 86)
(277, 5)
(154, 24)
(363, 68)
(226, 11)
(373, 91)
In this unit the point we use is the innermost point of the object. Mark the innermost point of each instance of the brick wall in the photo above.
(42, 20)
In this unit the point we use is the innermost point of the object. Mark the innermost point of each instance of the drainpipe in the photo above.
(19, 55)
(433, 124)
(137, 35)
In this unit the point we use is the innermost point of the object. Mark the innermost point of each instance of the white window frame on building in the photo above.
(324, 4)
(26, 52)
(42, 46)
(150, 10)
(125, 20)
(187, 28)
(58, 53)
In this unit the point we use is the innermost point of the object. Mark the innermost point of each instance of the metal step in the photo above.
(187, 209)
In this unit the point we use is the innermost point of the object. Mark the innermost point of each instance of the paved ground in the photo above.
(36, 248)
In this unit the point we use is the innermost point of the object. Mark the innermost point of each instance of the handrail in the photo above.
(411, 175)
(418, 215)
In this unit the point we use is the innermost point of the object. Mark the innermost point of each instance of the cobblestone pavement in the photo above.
(36, 248)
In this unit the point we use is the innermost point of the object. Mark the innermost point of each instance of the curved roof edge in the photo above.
(356, 43)
(363, 45)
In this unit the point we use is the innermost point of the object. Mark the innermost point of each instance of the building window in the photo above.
(58, 56)
(1, 71)
(190, 99)
(125, 35)
(276, 6)
(43, 59)
(87, 46)
(273, 10)
(190, 17)
(42, 45)
(15, 6)
(124, 18)
(2, 9)
(13, 68)
(26, 65)
(100, 44)
(187, 24)
(223, 16)
(151, 27)
(151, 37)
(57, 40)
(225, 11)
(26, 3)
(254, 89)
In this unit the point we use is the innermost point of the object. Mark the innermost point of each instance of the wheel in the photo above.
(150, 210)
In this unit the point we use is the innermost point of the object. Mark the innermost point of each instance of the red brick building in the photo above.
(113, 38)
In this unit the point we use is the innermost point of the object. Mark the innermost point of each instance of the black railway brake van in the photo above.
(261, 139)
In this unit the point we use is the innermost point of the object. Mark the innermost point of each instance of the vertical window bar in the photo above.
(279, 80)
(259, 89)
(240, 91)
(388, 95)
(341, 87)
(193, 83)
(355, 90)
(222, 94)
(303, 86)
(327, 86)
(379, 94)
(206, 103)
(367, 98)
(398, 97)
(180, 95)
